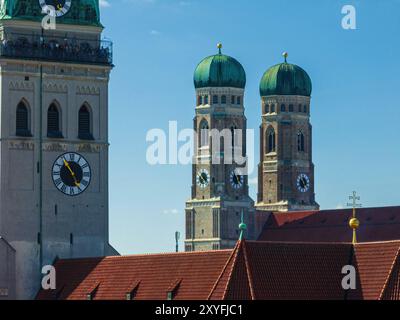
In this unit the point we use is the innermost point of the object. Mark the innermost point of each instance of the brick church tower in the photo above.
(54, 138)
(286, 170)
(219, 190)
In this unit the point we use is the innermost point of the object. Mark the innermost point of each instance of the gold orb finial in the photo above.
(219, 46)
(354, 223)
(285, 55)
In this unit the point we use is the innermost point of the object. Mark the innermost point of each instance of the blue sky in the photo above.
(355, 101)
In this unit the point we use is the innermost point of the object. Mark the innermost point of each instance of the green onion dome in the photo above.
(285, 79)
(219, 71)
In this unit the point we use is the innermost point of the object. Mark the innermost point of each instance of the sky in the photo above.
(355, 106)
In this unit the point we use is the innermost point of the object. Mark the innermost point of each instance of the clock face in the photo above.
(303, 183)
(236, 180)
(203, 178)
(61, 7)
(71, 173)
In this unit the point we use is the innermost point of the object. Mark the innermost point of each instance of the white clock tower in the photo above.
(54, 138)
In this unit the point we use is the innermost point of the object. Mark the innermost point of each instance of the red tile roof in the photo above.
(252, 270)
(154, 275)
(376, 224)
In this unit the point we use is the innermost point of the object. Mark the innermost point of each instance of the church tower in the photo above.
(219, 182)
(286, 170)
(54, 135)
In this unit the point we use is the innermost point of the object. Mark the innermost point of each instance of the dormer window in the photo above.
(173, 290)
(132, 290)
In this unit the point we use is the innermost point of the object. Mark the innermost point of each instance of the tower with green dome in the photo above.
(286, 170)
(219, 186)
(53, 108)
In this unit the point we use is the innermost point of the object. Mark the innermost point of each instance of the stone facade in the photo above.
(65, 226)
(286, 170)
(7, 270)
(215, 209)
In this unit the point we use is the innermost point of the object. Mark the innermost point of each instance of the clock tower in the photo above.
(54, 135)
(286, 170)
(219, 180)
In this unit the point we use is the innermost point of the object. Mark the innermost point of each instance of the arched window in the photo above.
(272, 108)
(22, 121)
(300, 142)
(53, 122)
(223, 99)
(271, 142)
(283, 108)
(234, 137)
(206, 99)
(215, 99)
(204, 133)
(84, 123)
(266, 108)
(290, 108)
(199, 100)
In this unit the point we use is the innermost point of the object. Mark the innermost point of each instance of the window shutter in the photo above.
(22, 128)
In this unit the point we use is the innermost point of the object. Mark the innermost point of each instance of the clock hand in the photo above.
(200, 178)
(72, 173)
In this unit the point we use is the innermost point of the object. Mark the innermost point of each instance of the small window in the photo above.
(215, 99)
(272, 108)
(53, 122)
(206, 99)
(204, 133)
(238, 100)
(305, 109)
(300, 108)
(84, 130)
(22, 121)
(300, 142)
(271, 143)
(199, 100)
(223, 99)
(290, 108)
(232, 99)
(266, 108)
(283, 108)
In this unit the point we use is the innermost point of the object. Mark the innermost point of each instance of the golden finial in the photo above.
(354, 223)
(219, 46)
(285, 55)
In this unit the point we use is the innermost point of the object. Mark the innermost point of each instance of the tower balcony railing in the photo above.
(57, 49)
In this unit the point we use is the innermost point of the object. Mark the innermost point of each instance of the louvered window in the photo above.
(53, 122)
(84, 130)
(22, 121)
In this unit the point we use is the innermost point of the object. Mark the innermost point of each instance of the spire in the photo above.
(354, 223)
(242, 227)
(219, 46)
(285, 55)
